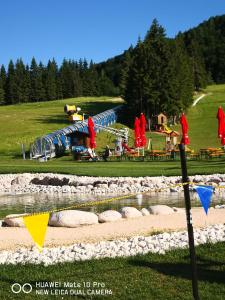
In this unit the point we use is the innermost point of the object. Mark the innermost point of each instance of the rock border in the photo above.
(160, 243)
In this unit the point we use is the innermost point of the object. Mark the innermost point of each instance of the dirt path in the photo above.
(198, 99)
(12, 238)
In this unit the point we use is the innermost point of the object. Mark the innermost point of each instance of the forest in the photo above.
(157, 74)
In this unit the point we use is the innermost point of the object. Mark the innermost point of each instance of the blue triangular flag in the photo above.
(205, 194)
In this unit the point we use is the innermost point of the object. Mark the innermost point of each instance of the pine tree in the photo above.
(37, 92)
(91, 79)
(106, 86)
(22, 82)
(68, 78)
(11, 84)
(134, 89)
(198, 67)
(2, 84)
(157, 81)
(125, 71)
(2, 93)
(50, 83)
(77, 87)
(149, 74)
(180, 86)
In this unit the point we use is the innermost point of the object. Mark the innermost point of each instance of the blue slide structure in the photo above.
(57, 142)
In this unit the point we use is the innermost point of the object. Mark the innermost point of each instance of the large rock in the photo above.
(109, 216)
(178, 210)
(16, 222)
(55, 181)
(21, 180)
(145, 212)
(160, 210)
(72, 218)
(130, 212)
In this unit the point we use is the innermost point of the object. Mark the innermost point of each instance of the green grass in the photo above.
(150, 277)
(66, 165)
(202, 118)
(23, 123)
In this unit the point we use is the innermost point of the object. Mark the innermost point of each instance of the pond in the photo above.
(29, 203)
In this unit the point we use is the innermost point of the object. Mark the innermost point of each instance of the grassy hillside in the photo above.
(23, 123)
(202, 118)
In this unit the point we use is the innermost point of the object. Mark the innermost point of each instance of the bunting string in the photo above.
(37, 222)
(99, 202)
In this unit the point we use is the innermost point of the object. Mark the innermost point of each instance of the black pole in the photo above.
(189, 222)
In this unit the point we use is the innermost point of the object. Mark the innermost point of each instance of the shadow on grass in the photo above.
(56, 119)
(89, 109)
(207, 270)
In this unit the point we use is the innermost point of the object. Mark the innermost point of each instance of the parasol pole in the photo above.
(185, 179)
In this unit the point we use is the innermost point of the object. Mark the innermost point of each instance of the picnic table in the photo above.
(211, 152)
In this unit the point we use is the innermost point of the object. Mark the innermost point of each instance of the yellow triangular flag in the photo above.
(37, 225)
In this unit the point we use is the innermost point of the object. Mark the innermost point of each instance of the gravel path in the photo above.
(12, 238)
(198, 99)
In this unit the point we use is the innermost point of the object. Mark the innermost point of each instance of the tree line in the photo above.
(159, 75)
(22, 83)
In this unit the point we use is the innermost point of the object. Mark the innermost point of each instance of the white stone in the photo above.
(109, 216)
(220, 206)
(16, 222)
(130, 212)
(160, 210)
(145, 212)
(20, 180)
(178, 210)
(72, 218)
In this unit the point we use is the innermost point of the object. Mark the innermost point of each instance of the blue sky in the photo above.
(94, 29)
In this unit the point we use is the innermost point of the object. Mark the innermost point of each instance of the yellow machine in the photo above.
(73, 113)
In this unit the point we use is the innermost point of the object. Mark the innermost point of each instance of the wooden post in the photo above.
(23, 151)
(185, 179)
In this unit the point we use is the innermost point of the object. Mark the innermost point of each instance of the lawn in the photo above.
(150, 276)
(23, 123)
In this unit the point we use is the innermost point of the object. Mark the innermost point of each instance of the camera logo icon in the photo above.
(17, 288)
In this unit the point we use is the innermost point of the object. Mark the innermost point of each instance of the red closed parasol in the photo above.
(142, 130)
(183, 121)
(221, 125)
(92, 133)
(137, 133)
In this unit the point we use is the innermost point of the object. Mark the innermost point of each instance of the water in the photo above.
(29, 203)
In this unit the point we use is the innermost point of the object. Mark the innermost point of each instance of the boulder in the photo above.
(72, 218)
(17, 222)
(109, 216)
(145, 212)
(220, 206)
(215, 179)
(55, 181)
(130, 212)
(178, 210)
(160, 210)
(212, 183)
(21, 180)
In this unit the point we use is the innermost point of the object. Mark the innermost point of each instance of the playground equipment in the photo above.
(73, 113)
(158, 121)
(166, 129)
(56, 143)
